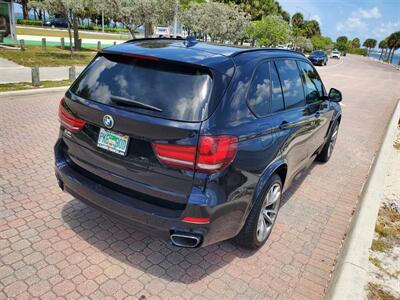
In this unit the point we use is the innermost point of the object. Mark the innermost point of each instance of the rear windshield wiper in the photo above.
(131, 102)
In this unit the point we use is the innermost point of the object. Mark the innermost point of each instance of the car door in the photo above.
(261, 147)
(317, 105)
(296, 122)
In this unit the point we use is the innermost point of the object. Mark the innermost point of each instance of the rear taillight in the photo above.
(68, 120)
(213, 154)
(176, 155)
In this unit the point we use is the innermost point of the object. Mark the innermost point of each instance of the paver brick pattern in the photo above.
(52, 245)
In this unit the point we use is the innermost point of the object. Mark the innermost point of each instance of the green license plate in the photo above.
(112, 141)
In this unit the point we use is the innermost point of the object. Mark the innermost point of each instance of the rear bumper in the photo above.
(226, 219)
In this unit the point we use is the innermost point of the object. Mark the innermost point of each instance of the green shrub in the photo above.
(118, 30)
(29, 22)
(86, 27)
(358, 51)
(106, 29)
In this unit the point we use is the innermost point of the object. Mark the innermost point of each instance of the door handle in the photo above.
(284, 125)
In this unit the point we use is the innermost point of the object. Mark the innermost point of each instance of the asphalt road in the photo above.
(53, 245)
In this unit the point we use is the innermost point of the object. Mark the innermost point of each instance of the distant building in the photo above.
(7, 20)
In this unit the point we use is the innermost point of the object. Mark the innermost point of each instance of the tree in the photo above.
(135, 13)
(308, 46)
(221, 22)
(257, 9)
(383, 46)
(369, 44)
(311, 28)
(341, 43)
(306, 28)
(301, 43)
(25, 8)
(185, 4)
(298, 20)
(286, 16)
(355, 43)
(321, 42)
(393, 42)
(70, 10)
(271, 31)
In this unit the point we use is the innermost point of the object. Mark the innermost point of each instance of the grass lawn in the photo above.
(34, 56)
(64, 33)
(5, 87)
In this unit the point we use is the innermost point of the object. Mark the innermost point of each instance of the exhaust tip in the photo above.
(187, 240)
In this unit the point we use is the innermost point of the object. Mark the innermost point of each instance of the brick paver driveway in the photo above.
(53, 245)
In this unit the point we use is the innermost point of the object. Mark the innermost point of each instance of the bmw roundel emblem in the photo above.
(108, 121)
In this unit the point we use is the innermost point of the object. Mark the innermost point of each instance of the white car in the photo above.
(335, 54)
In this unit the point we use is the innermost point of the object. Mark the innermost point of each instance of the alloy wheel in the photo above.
(269, 211)
(332, 141)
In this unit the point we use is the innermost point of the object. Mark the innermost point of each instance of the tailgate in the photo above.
(139, 169)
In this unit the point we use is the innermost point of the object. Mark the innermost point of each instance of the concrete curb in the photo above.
(350, 276)
(34, 91)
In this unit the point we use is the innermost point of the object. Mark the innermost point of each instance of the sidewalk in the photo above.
(11, 72)
(351, 275)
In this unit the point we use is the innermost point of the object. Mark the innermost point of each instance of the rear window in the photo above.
(172, 91)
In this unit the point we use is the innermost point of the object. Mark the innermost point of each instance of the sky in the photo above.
(352, 18)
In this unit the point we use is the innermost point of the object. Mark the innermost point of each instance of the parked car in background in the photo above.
(192, 140)
(61, 23)
(318, 57)
(335, 54)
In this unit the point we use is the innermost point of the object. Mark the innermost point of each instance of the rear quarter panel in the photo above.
(257, 154)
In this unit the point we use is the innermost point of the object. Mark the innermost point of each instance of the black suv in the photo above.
(318, 57)
(62, 23)
(193, 140)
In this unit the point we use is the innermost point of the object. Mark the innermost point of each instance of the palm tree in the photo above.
(393, 42)
(369, 44)
(341, 43)
(355, 43)
(311, 28)
(297, 20)
(383, 46)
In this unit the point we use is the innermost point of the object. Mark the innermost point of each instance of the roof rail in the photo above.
(264, 49)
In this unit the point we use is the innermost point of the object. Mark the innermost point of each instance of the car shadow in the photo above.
(145, 253)
(148, 254)
(297, 182)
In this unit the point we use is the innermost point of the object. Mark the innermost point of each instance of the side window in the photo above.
(260, 91)
(292, 85)
(277, 98)
(312, 82)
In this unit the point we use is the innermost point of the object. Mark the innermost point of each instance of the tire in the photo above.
(258, 226)
(329, 146)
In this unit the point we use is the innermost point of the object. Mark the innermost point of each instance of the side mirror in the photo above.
(334, 95)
